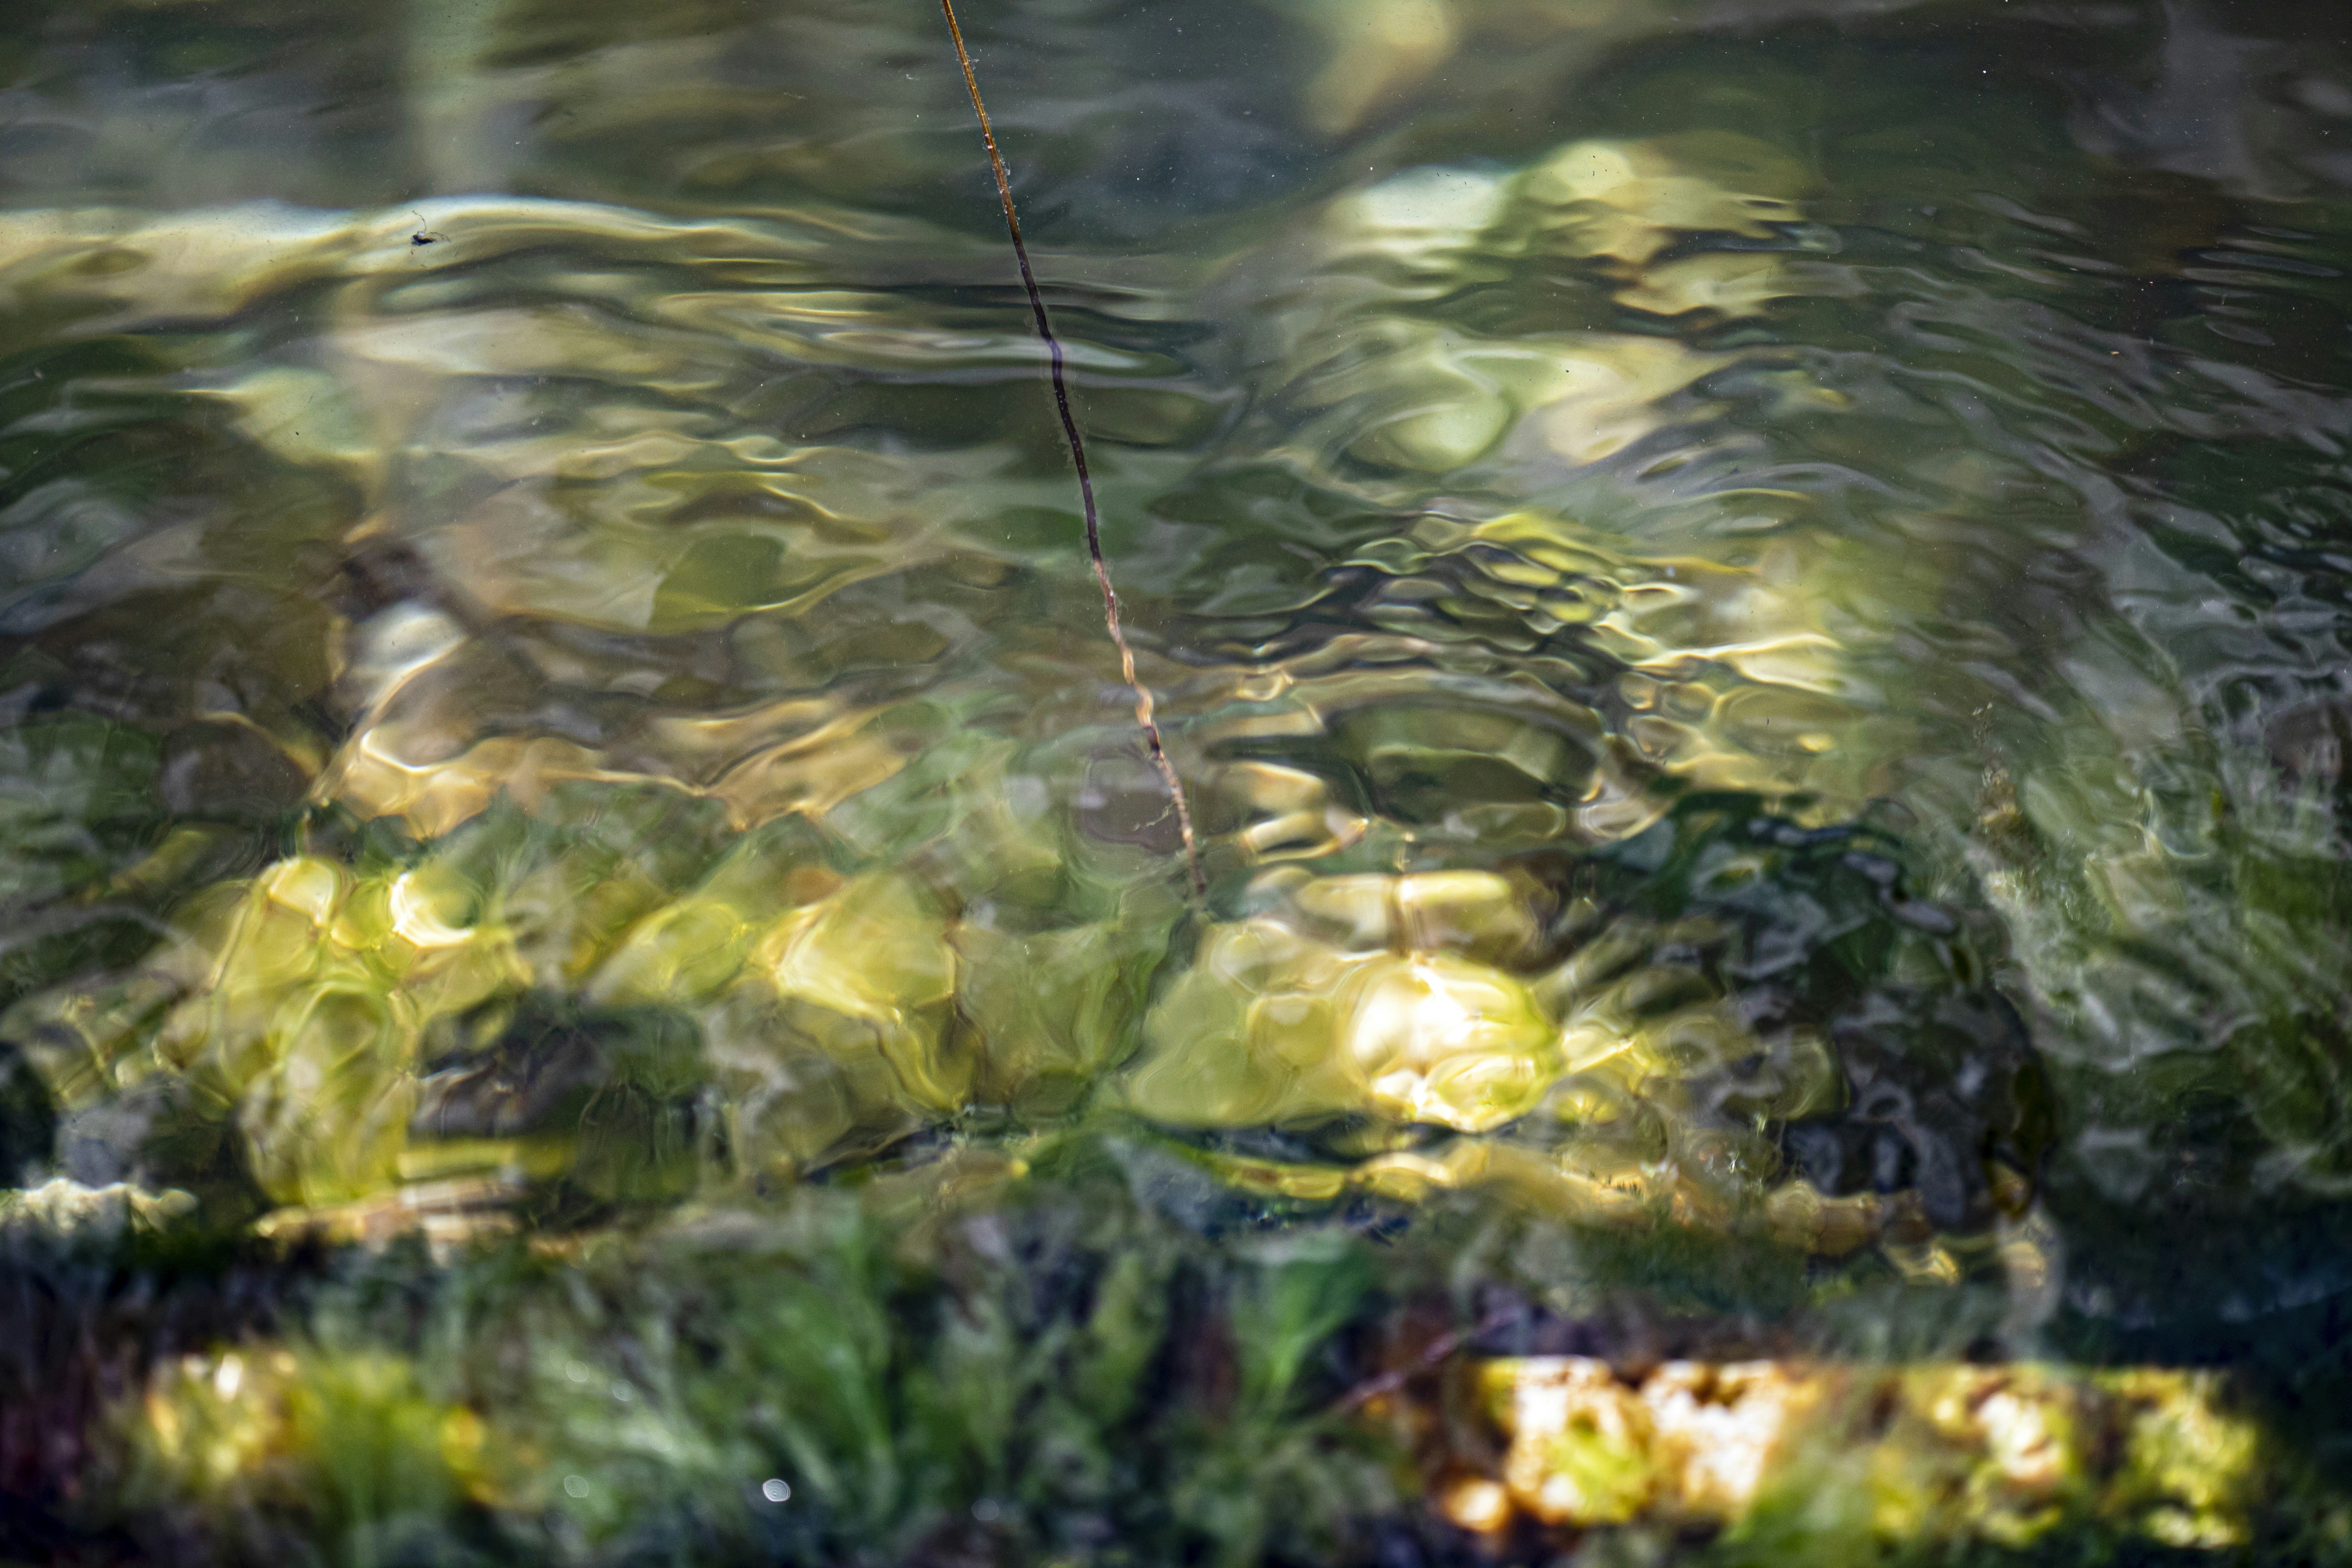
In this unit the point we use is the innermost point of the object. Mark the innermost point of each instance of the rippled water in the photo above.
(1749, 599)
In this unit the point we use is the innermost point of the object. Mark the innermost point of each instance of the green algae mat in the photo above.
(1657, 871)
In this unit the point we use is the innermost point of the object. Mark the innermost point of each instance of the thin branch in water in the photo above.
(1431, 1355)
(1143, 709)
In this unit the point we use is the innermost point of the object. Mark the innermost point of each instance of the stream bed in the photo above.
(1749, 608)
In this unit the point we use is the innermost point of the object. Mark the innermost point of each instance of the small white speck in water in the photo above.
(776, 1490)
(575, 1486)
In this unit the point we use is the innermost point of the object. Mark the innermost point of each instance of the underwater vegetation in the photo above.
(978, 1360)
(1691, 905)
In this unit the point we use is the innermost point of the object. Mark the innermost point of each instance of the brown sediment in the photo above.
(1143, 708)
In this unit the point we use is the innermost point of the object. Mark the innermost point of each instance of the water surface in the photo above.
(1750, 601)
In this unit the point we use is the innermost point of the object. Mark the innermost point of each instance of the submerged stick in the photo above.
(1143, 709)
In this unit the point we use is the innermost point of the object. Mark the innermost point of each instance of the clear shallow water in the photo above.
(1748, 601)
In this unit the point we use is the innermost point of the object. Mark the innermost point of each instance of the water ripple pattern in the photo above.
(1749, 599)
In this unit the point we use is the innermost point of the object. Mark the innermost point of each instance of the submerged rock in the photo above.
(1905, 1456)
(1375, 360)
(1405, 1035)
(61, 1211)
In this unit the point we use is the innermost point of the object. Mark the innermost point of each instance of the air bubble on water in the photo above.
(776, 1490)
